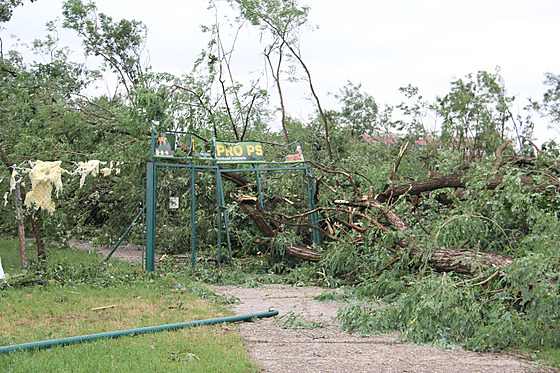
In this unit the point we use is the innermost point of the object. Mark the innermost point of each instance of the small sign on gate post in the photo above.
(173, 203)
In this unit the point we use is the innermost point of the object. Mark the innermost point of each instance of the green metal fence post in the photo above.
(150, 216)
(226, 222)
(219, 202)
(314, 216)
(193, 216)
(222, 216)
(261, 200)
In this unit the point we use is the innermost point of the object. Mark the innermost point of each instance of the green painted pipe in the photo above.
(131, 332)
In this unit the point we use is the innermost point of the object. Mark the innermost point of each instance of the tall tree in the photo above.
(236, 107)
(120, 44)
(476, 113)
(359, 110)
(284, 19)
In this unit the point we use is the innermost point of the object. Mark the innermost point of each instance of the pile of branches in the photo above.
(356, 217)
(482, 290)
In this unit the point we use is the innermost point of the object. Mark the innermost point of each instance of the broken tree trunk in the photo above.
(255, 211)
(438, 181)
(464, 261)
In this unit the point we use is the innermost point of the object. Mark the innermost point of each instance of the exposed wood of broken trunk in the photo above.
(255, 211)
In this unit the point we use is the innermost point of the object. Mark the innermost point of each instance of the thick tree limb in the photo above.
(460, 260)
(463, 261)
(235, 178)
(390, 215)
(396, 166)
(498, 155)
(255, 211)
(438, 181)
(422, 186)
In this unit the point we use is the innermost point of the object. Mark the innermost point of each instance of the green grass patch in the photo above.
(293, 320)
(201, 349)
(549, 357)
(10, 255)
(67, 303)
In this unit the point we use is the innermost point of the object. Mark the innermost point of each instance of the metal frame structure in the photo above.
(208, 162)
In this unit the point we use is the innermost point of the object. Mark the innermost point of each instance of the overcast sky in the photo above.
(381, 44)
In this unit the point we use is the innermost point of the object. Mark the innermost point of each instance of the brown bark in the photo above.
(21, 231)
(255, 211)
(438, 181)
(498, 155)
(249, 205)
(235, 178)
(390, 215)
(460, 260)
(463, 261)
(303, 252)
(41, 254)
(422, 186)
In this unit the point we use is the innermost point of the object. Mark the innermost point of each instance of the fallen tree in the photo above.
(374, 212)
(269, 228)
(439, 181)
(460, 260)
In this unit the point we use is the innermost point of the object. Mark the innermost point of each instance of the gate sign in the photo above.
(232, 152)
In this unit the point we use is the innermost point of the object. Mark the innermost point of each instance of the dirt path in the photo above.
(304, 337)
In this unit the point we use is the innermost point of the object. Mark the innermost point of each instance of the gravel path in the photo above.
(319, 345)
(127, 253)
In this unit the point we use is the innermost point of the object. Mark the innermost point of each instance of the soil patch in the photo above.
(128, 253)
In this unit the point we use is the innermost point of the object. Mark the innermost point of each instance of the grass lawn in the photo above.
(64, 306)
